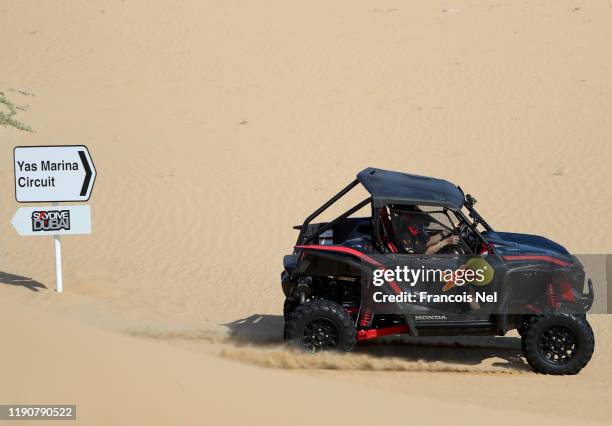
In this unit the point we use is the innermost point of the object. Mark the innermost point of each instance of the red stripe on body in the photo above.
(537, 257)
(342, 249)
(356, 253)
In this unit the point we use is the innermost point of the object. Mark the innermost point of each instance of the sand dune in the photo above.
(118, 380)
(216, 126)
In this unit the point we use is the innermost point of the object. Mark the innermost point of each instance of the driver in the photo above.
(414, 236)
(437, 242)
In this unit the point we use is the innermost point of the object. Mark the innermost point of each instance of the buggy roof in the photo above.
(387, 187)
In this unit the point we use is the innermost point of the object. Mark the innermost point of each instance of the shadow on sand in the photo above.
(18, 280)
(267, 330)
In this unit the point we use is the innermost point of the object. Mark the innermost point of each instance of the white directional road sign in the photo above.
(53, 173)
(52, 220)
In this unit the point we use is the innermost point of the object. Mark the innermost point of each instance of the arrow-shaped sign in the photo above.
(52, 220)
(53, 173)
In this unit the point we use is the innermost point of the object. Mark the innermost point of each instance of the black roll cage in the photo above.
(469, 205)
(305, 239)
(321, 209)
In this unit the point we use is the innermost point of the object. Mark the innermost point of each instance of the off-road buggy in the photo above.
(532, 284)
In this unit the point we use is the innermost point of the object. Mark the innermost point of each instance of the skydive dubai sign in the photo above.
(53, 173)
(53, 220)
(49, 173)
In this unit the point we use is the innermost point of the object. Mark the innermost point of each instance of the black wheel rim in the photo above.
(558, 344)
(319, 335)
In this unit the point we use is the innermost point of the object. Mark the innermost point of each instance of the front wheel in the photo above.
(319, 325)
(558, 343)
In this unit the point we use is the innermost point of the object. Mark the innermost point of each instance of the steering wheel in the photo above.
(463, 231)
(461, 247)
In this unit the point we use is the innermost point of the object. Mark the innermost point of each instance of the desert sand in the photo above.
(217, 126)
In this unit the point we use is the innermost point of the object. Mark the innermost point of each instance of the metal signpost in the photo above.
(52, 174)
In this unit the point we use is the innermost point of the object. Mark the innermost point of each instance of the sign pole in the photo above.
(56, 220)
(58, 264)
(59, 286)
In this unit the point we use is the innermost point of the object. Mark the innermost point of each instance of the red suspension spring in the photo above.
(365, 318)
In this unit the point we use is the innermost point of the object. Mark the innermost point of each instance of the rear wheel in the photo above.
(557, 343)
(320, 325)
